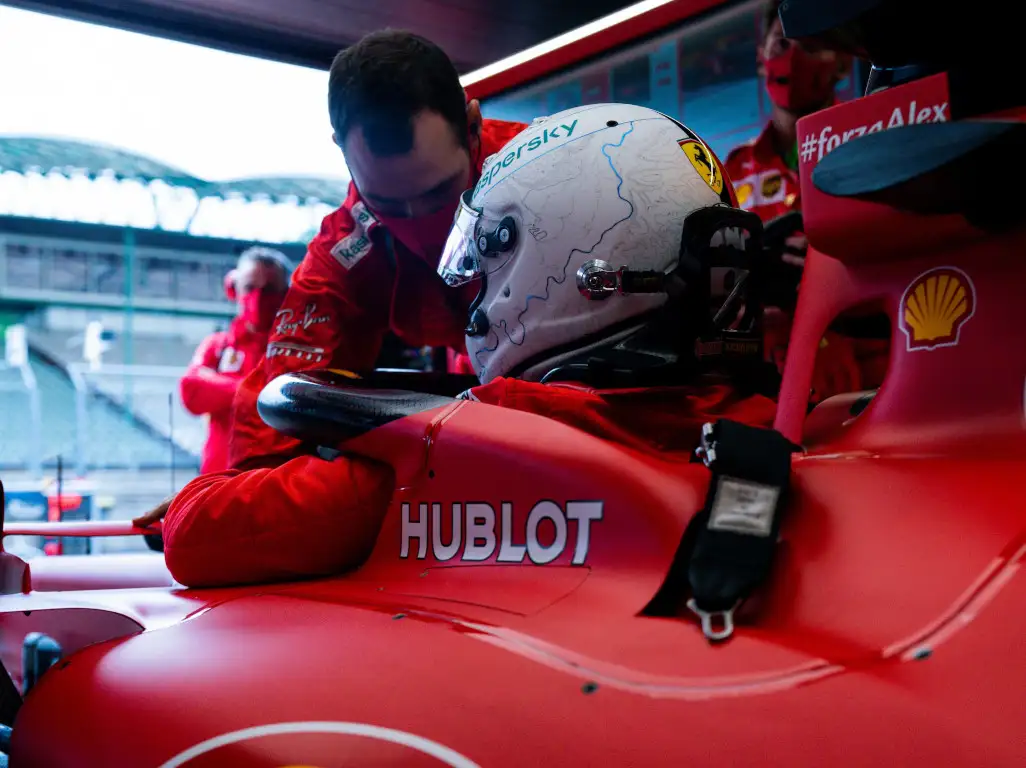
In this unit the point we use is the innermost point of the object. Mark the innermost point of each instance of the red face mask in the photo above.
(797, 81)
(424, 235)
(259, 309)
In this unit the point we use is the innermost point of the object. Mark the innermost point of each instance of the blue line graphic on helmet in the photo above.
(560, 279)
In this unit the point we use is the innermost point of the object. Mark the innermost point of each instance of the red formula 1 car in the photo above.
(554, 628)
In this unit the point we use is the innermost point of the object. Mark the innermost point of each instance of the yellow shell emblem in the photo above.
(708, 167)
(744, 192)
(935, 307)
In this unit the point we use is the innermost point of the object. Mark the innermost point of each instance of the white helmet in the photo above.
(606, 201)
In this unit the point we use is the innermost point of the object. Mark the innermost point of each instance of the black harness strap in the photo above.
(739, 525)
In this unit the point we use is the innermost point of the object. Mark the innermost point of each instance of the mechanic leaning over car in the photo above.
(595, 272)
(257, 286)
(412, 143)
(799, 81)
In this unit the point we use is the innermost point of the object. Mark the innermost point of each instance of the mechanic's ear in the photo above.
(474, 117)
(335, 141)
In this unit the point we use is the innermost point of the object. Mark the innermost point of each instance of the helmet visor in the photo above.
(460, 262)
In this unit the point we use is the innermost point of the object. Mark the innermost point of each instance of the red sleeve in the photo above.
(308, 517)
(277, 514)
(322, 324)
(734, 165)
(458, 362)
(203, 389)
(492, 393)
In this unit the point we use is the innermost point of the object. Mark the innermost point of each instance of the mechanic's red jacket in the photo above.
(312, 517)
(211, 380)
(354, 284)
(763, 182)
(766, 186)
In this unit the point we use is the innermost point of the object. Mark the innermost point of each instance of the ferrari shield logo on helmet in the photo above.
(706, 165)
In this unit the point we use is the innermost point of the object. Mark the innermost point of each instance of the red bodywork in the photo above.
(890, 633)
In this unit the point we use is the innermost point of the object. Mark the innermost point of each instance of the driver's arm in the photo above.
(307, 517)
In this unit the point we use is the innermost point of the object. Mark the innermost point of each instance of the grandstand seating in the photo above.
(113, 438)
(149, 392)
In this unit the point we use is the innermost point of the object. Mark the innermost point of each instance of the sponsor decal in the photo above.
(935, 307)
(298, 351)
(475, 532)
(772, 185)
(744, 194)
(923, 101)
(550, 135)
(289, 321)
(231, 361)
(353, 247)
(704, 162)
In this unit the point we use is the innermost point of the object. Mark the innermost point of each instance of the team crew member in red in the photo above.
(413, 144)
(613, 190)
(257, 285)
(799, 82)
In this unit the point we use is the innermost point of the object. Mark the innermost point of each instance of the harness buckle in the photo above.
(713, 619)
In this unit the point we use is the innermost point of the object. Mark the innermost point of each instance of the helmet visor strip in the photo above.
(460, 263)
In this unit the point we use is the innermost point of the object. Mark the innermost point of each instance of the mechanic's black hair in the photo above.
(770, 11)
(385, 80)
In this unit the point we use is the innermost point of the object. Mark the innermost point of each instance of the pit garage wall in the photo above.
(702, 72)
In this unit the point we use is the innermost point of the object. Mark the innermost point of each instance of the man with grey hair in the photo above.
(257, 287)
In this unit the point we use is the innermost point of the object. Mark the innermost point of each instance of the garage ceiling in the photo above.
(310, 32)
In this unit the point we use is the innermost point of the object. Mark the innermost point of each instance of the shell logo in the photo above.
(935, 307)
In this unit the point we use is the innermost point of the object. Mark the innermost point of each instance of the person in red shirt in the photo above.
(582, 296)
(257, 285)
(413, 143)
(799, 81)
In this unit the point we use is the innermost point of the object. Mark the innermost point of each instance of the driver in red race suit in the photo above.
(257, 285)
(618, 187)
(799, 82)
